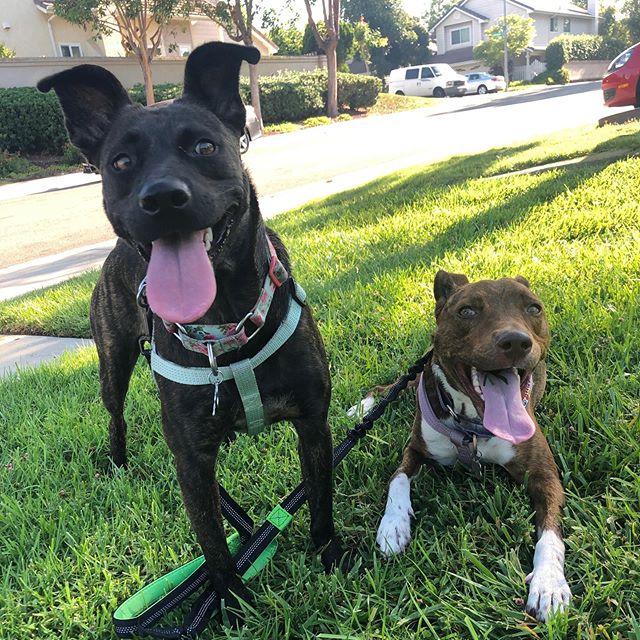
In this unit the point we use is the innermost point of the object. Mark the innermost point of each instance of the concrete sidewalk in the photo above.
(43, 185)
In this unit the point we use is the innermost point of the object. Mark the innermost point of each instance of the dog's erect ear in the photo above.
(212, 78)
(91, 98)
(444, 285)
(523, 281)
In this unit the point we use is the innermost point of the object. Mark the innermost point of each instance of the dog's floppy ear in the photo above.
(212, 78)
(91, 97)
(523, 281)
(444, 285)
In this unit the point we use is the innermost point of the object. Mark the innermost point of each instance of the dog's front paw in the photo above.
(360, 410)
(548, 592)
(394, 532)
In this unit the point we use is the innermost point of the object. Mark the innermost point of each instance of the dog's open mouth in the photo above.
(181, 282)
(498, 398)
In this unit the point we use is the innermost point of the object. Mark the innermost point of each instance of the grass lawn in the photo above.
(78, 539)
(15, 168)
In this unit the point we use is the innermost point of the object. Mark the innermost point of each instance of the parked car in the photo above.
(621, 83)
(484, 83)
(252, 130)
(437, 80)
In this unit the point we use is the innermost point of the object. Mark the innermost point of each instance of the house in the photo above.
(32, 30)
(465, 24)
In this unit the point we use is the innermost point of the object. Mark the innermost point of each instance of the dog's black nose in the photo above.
(163, 195)
(515, 343)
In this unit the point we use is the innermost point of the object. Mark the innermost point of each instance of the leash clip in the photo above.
(213, 363)
(141, 296)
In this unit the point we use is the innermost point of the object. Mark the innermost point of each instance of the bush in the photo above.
(31, 122)
(557, 76)
(565, 48)
(358, 91)
(11, 164)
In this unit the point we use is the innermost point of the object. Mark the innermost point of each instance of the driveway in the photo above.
(343, 153)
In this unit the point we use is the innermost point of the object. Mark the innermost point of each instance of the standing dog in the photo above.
(476, 399)
(187, 216)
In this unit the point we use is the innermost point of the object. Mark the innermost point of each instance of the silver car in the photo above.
(484, 83)
(252, 130)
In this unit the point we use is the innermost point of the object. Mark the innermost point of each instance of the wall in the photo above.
(28, 34)
(542, 24)
(25, 72)
(586, 69)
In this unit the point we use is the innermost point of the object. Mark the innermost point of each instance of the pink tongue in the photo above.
(181, 284)
(504, 414)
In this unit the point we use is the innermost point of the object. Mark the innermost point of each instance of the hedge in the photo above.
(32, 122)
(565, 48)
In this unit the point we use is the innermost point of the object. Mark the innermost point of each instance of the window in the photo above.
(426, 73)
(411, 74)
(70, 51)
(553, 24)
(460, 36)
(566, 25)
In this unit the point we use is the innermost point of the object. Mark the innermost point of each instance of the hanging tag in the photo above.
(216, 398)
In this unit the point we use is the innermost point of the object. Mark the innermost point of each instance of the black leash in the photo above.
(129, 622)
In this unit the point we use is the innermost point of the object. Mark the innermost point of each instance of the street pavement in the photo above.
(289, 170)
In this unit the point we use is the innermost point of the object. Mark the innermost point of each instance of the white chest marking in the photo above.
(442, 450)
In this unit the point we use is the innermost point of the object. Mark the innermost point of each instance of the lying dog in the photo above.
(476, 399)
(188, 219)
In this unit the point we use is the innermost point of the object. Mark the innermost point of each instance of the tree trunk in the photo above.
(332, 72)
(145, 64)
(255, 92)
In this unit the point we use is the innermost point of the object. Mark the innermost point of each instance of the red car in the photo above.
(621, 83)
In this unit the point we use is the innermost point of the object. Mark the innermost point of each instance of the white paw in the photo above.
(360, 410)
(548, 592)
(394, 533)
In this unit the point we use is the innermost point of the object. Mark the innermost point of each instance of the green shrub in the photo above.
(358, 91)
(343, 117)
(31, 122)
(11, 164)
(565, 48)
(557, 76)
(161, 92)
(291, 96)
(316, 121)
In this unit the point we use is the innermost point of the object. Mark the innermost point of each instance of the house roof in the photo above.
(454, 56)
(556, 7)
(461, 9)
(561, 7)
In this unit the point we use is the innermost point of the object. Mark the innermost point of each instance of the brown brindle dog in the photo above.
(476, 399)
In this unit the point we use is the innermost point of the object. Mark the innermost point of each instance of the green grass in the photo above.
(15, 168)
(78, 540)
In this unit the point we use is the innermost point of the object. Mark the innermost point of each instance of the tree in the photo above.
(328, 43)
(5, 52)
(365, 39)
(631, 13)
(236, 16)
(407, 41)
(520, 32)
(284, 33)
(344, 50)
(139, 23)
(437, 9)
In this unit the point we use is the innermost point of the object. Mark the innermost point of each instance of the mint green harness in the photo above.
(242, 372)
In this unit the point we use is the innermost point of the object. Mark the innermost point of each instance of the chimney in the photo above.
(592, 8)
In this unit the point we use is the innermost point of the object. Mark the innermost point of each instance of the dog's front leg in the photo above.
(316, 461)
(548, 588)
(195, 466)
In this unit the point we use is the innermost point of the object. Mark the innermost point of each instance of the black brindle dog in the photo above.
(177, 194)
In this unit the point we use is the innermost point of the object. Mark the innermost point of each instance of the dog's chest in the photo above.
(442, 450)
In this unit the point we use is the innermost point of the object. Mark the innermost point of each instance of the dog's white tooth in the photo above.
(208, 238)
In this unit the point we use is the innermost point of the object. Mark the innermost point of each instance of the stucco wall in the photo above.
(28, 34)
(542, 24)
(25, 72)
(586, 69)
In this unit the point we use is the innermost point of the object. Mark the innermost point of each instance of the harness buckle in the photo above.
(272, 273)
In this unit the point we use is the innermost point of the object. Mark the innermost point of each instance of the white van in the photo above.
(427, 80)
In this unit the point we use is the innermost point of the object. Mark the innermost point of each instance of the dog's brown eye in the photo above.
(467, 312)
(204, 147)
(534, 309)
(121, 162)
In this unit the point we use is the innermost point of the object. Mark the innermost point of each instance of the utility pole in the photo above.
(506, 49)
